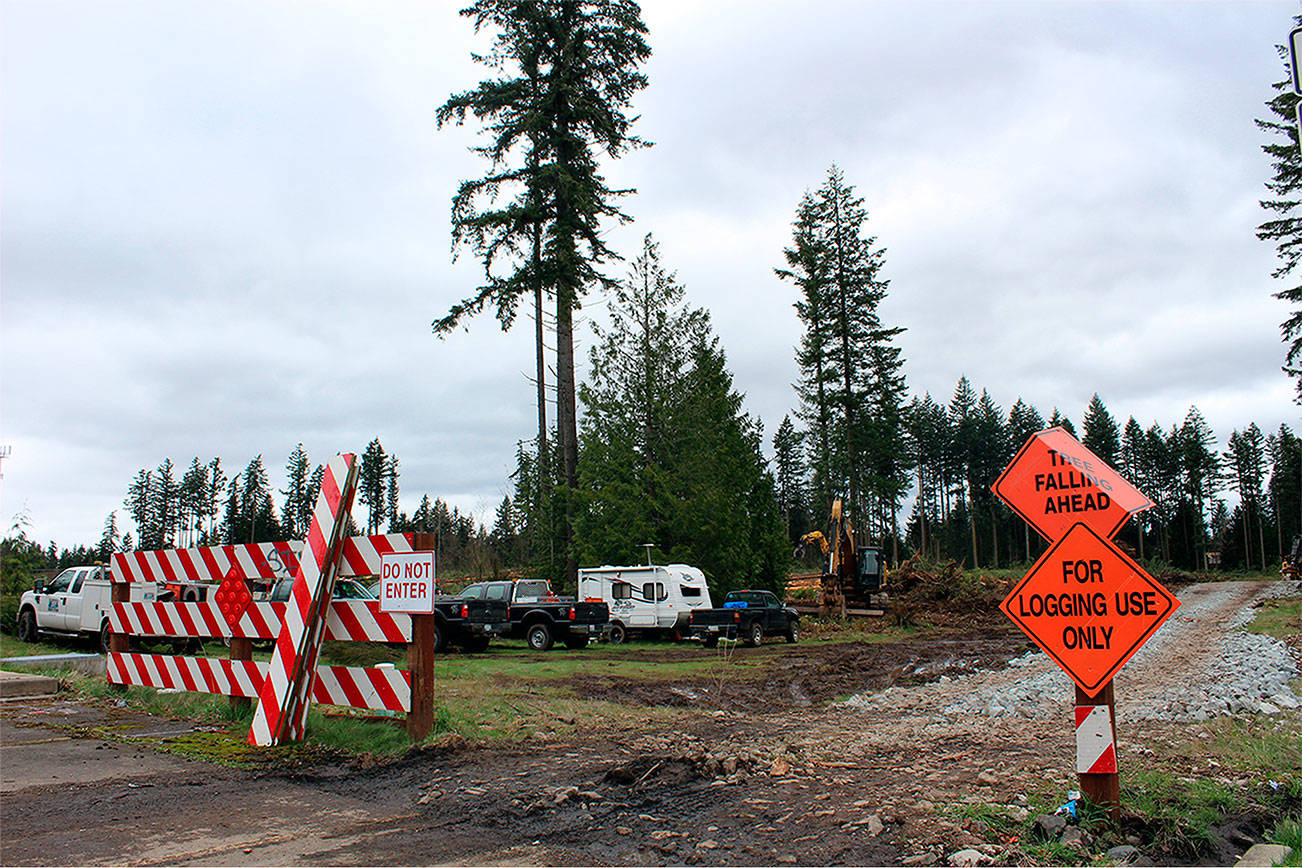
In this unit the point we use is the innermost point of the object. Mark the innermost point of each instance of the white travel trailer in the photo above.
(646, 598)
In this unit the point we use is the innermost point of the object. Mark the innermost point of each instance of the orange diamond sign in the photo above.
(1054, 482)
(1089, 606)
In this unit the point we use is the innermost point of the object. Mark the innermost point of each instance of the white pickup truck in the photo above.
(76, 602)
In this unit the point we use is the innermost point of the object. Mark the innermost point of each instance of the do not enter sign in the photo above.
(407, 582)
(1089, 606)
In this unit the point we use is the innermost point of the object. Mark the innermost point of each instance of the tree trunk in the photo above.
(567, 422)
(540, 360)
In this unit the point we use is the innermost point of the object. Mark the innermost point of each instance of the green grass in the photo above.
(11, 647)
(1279, 618)
(1289, 833)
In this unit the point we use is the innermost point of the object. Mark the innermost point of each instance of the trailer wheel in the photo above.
(617, 633)
(27, 626)
(756, 636)
(539, 637)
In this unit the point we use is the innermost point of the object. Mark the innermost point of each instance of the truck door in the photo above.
(53, 600)
(72, 603)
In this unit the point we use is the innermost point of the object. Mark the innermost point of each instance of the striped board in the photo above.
(376, 689)
(1096, 752)
(266, 561)
(285, 694)
(346, 621)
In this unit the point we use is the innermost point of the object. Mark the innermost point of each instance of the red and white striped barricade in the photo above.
(285, 695)
(376, 689)
(267, 562)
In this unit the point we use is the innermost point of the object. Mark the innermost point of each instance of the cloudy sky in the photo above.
(226, 225)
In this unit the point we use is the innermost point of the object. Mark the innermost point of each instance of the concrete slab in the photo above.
(15, 684)
(91, 663)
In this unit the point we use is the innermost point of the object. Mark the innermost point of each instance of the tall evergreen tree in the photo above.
(391, 473)
(851, 371)
(789, 479)
(297, 513)
(567, 71)
(110, 539)
(371, 487)
(1101, 435)
(669, 455)
(1285, 229)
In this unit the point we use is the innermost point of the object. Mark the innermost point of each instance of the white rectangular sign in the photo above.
(407, 582)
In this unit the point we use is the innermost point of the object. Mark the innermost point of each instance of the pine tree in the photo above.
(391, 474)
(567, 71)
(167, 496)
(216, 488)
(1101, 435)
(1285, 229)
(109, 540)
(1200, 477)
(789, 478)
(852, 386)
(669, 455)
(298, 509)
(371, 488)
(140, 505)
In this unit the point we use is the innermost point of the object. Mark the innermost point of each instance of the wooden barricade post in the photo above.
(420, 661)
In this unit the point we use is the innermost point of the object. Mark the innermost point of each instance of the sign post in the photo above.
(1084, 602)
(408, 583)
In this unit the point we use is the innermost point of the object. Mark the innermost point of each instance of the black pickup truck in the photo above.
(540, 617)
(469, 624)
(749, 615)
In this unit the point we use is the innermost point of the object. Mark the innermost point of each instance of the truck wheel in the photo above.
(756, 636)
(440, 638)
(105, 632)
(617, 634)
(539, 637)
(475, 644)
(793, 633)
(710, 642)
(27, 626)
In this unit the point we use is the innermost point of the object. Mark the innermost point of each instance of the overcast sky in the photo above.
(226, 225)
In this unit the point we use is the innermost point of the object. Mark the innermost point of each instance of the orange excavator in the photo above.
(853, 573)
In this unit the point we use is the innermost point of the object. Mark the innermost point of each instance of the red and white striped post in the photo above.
(286, 693)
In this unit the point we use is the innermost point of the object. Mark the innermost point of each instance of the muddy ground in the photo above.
(767, 772)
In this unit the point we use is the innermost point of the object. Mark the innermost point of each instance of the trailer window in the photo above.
(661, 593)
(621, 591)
(689, 591)
(649, 591)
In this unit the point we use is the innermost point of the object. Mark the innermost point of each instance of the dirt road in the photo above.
(776, 772)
